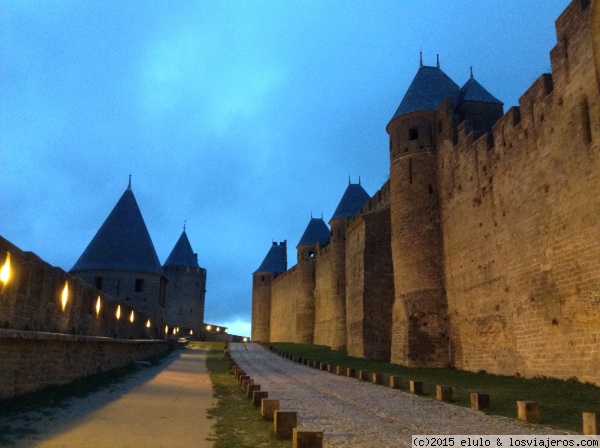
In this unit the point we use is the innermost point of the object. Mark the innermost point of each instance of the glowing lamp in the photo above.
(148, 324)
(118, 314)
(5, 271)
(131, 317)
(218, 329)
(65, 296)
(166, 329)
(209, 327)
(191, 331)
(98, 305)
(226, 330)
(245, 339)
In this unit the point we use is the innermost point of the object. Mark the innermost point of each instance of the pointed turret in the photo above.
(353, 199)
(316, 232)
(122, 242)
(121, 261)
(182, 254)
(276, 259)
(479, 107)
(427, 90)
(186, 288)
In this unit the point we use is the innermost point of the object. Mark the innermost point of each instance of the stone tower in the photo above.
(314, 237)
(420, 320)
(186, 287)
(274, 264)
(121, 261)
(331, 273)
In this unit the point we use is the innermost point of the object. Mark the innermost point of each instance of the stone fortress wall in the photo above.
(483, 250)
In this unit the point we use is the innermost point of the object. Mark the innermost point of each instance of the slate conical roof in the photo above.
(473, 91)
(429, 87)
(354, 198)
(182, 254)
(316, 232)
(122, 243)
(275, 261)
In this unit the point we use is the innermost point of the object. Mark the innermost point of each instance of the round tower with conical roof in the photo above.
(186, 286)
(275, 263)
(314, 237)
(420, 321)
(121, 261)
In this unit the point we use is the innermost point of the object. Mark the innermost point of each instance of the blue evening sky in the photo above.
(239, 117)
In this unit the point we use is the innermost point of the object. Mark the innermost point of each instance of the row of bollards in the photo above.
(285, 423)
(527, 410)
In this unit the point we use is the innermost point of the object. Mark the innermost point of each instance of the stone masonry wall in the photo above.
(520, 224)
(283, 306)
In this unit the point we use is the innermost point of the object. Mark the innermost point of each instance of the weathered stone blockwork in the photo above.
(494, 235)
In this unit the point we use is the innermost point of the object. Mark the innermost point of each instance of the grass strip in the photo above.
(561, 402)
(238, 422)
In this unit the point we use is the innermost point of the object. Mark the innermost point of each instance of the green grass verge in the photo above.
(238, 422)
(561, 402)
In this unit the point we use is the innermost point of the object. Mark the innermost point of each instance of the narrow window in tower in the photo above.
(180, 311)
(430, 189)
(98, 281)
(585, 118)
(410, 171)
(262, 278)
(139, 285)
(413, 134)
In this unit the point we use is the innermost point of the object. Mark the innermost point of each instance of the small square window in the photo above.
(413, 134)
(139, 284)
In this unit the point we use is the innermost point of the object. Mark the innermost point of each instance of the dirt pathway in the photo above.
(162, 406)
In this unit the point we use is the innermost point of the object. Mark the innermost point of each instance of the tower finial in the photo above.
(184, 222)
(438, 60)
(358, 180)
(311, 215)
(471, 72)
(420, 58)
(129, 185)
(321, 215)
(348, 179)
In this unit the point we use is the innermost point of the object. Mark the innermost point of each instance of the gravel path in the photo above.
(353, 413)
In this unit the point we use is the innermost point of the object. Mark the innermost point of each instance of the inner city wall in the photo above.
(483, 250)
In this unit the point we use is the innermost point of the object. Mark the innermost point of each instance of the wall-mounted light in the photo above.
(131, 317)
(218, 329)
(226, 330)
(148, 324)
(245, 339)
(118, 314)
(5, 271)
(191, 332)
(98, 305)
(65, 296)
(209, 327)
(166, 329)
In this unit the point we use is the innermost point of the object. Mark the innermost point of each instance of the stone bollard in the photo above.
(303, 438)
(300, 360)
(268, 408)
(395, 382)
(284, 423)
(363, 375)
(339, 370)
(480, 401)
(323, 366)
(258, 395)
(316, 364)
(416, 387)
(443, 393)
(351, 373)
(528, 411)
(378, 378)
(330, 368)
(251, 389)
(591, 424)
